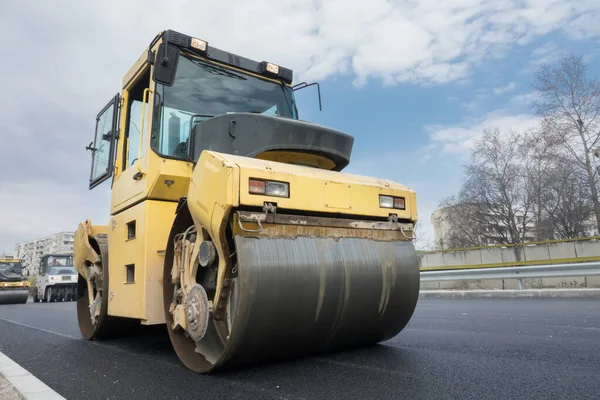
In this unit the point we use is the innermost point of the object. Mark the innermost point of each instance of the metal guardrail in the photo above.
(509, 245)
(522, 272)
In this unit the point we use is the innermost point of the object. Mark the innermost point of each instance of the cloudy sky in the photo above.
(415, 81)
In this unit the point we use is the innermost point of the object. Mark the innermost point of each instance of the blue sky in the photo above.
(399, 130)
(415, 81)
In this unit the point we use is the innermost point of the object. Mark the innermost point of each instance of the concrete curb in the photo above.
(28, 386)
(510, 294)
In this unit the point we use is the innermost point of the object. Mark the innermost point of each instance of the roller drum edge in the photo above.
(19, 296)
(297, 296)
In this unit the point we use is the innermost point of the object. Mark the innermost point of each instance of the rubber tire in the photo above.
(107, 326)
(54, 294)
(48, 295)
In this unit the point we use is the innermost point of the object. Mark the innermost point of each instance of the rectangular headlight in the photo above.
(269, 188)
(198, 44)
(392, 202)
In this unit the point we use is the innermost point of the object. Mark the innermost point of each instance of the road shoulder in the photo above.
(16, 380)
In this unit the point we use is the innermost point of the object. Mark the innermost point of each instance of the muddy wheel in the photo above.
(102, 326)
(182, 343)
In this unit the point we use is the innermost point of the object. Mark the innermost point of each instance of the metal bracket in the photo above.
(267, 208)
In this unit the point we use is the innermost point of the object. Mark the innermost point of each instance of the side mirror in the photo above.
(166, 64)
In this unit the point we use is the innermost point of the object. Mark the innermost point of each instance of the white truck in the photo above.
(56, 279)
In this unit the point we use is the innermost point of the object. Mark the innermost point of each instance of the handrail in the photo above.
(144, 101)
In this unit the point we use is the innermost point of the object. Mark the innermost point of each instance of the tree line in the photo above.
(538, 184)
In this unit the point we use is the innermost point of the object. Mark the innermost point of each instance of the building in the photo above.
(442, 221)
(31, 252)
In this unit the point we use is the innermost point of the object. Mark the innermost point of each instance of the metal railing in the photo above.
(522, 272)
(509, 245)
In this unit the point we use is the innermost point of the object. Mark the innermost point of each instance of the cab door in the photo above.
(103, 146)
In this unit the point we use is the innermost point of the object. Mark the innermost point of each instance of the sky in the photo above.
(414, 82)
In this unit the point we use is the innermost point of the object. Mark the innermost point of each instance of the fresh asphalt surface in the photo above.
(452, 349)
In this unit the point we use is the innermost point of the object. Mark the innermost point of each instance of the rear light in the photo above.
(257, 187)
(269, 188)
(392, 202)
(399, 203)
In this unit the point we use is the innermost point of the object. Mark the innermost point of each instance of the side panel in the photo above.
(159, 220)
(136, 260)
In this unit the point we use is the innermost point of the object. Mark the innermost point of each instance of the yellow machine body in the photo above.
(14, 288)
(170, 216)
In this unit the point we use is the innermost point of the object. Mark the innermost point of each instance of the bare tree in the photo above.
(540, 156)
(494, 204)
(566, 200)
(496, 183)
(570, 106)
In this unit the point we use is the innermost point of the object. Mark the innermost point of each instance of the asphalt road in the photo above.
(452, 349)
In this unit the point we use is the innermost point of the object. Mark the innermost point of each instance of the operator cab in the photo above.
(11, 270)
(57, 264)
(181, 82)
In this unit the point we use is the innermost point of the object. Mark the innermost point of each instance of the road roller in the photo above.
(14, 287)
(231, 221)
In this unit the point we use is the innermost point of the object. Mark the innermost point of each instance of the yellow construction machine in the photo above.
(14, 287)
(231, 222)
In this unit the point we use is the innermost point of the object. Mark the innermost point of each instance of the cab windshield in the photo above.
(68, 270)
(207, 90)
(11, 267)
(59, 261)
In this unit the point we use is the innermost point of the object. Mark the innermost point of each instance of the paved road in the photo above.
(452, 349)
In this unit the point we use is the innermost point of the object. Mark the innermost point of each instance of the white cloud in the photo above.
(525, 99)
(505, 89)
(459, 139)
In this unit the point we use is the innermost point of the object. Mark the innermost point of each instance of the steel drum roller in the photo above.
(296, 296)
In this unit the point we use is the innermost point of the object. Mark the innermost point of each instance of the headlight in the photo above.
(269, 188)
(392, 202)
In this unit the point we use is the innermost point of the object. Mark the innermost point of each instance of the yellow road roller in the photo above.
(231, 221)
(14, 288)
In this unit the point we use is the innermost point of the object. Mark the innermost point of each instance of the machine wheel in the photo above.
(105, 326)
(48, 295)
(184, 346)
(61, 294)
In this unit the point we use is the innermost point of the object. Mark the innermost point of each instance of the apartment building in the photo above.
(30, 252)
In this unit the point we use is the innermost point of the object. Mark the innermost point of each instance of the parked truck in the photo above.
(56, 280)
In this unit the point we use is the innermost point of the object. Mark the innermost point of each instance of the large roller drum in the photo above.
(13, 295)
(305, 295)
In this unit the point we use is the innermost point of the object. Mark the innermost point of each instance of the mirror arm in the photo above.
(303, 85)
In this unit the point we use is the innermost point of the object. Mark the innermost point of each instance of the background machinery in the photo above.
(14, 287)
(56, 280)
(231, 221)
